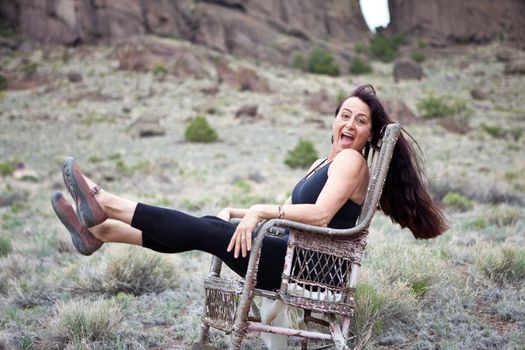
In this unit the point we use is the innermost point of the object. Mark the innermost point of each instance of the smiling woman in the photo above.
(331, 194)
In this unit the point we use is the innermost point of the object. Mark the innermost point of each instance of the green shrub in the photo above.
(418, 56)
(30, 69)
(5, 246)
(358, 66)
(457, 201)
(3, 82)
(421, 43)
(494, 131)
(477, 224)
(499, 132)
(438, 107)
(361, 48)
(321, 61)
(341, 96)
(6, 30)
(200, 131)
(384, 47)
(7, 168)
(302, 156)
(85, 321)
(160, 69)
(299, 62)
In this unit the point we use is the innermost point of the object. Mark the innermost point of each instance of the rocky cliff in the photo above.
(270, 30)
(443, 22)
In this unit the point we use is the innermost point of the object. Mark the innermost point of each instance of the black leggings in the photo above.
(171, 231)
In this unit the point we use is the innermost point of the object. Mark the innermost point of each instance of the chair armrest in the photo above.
(350, 233)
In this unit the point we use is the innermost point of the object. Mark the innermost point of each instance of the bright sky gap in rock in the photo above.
(375, 12)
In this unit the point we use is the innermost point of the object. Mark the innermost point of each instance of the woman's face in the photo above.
(352, 127)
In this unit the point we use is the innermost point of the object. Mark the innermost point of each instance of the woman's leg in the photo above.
(114, 231)
(114, 207)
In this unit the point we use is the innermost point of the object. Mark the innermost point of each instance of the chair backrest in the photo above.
(321, 264)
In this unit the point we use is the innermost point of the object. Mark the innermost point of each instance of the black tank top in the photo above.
(308, 189)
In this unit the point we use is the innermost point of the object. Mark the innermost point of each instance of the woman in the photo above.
(331, 194)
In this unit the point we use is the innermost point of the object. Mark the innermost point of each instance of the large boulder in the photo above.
(515, 68)
(150, 53)
(406, 69)
(244, 79)
(442, 22)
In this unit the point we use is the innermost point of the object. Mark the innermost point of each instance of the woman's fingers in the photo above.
(241, 242)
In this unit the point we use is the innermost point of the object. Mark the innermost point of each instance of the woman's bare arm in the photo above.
(348, 177)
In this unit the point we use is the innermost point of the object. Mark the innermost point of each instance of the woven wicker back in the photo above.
(321, 265)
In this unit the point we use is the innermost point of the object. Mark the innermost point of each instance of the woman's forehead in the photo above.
(356, 105)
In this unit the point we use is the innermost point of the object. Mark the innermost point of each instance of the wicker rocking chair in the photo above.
(319, 274)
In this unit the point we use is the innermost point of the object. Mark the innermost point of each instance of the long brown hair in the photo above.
(405, 198)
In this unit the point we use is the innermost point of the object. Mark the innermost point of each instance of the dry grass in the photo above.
(83, 321)
(503, 263)
(130, 270)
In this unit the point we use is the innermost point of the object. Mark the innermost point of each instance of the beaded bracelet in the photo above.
(281, 211)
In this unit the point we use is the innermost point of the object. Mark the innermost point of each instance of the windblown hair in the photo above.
(405, 198)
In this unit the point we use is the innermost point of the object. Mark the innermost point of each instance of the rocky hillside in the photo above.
(445, 22)
(267, 30)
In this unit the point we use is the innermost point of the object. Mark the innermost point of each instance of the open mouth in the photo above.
(347, 139)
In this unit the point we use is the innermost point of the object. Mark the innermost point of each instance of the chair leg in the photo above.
(337, 334)
(304, 342)
(205, 331)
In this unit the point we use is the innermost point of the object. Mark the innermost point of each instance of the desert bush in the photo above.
(30, 69)
(440, 107)
(160, 69)
(379, 307)
(82, 321)
(11, 267)
(34, 290)
(7, 167)
(418, 56)
(494, 131)
(321, 61)
(5, 246)
(510, 310)
(358, 66)
(420, 268)
(503, 215)
(502, 264)
(368, 305)
(361, 48)
(200, 131)
(457, 201)
(299, 62)
(130, 270)
(3, 82)
(384, 47)
(477, 224)
(500, 132)
(302, 156)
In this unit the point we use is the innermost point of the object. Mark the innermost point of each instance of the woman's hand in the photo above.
(242, 237)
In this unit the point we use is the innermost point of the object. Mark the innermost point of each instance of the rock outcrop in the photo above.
(270, 30)
(444, 22)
